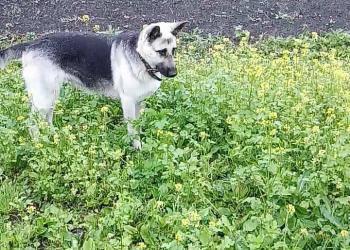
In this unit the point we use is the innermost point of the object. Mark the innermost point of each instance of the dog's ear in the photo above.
(178, 26)
(154, 33)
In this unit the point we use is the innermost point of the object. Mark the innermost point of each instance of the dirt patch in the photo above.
(260, 17)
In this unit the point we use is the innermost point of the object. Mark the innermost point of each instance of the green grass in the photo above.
(248, 148)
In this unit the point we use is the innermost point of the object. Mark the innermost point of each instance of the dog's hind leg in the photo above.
(43, 81)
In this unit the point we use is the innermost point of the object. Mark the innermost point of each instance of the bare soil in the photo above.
(260, 17)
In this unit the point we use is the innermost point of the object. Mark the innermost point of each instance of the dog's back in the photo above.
(14, 52)
(87, 56)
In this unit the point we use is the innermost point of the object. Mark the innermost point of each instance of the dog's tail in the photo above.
(14, 52)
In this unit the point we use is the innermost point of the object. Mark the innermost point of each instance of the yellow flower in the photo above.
(104, 109)
(213, 223)
(260, 110)
(278, 150)
(229, 120)
(226, 40)
(169, 133)
(56, 139)
(96, 28)
(330, 111)
(203, 135)
(74, 191)
(216, 54)
(24, 98)
(321, 153)
(290, 209)
(20, 118)
(31, 208)
(265, 86)
(314, 35)
(344, 233)
(72, 137)
(178, 187)
(68, 127)
(285, 52)
(185, 222)
(21, 140)
(297, 107)
(273, 132)
(304, 232)
(264, 122)
(273, 115)
(315, 129)
(178, 237)
(141, 245)
(43, 124)
(339, 185)
(160, 204)
(159, 132)
(304, 97)
(117, 154)
(194, 216)
(341, 74)
(219, 47)
(85, 18)
(286, 127)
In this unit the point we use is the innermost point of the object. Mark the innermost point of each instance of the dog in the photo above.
(128, 66)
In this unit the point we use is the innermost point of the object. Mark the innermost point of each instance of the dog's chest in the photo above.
(140, 90)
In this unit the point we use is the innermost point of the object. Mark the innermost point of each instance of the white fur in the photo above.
(2, 63)
(147, 50)
(133, 84)
(43, 80)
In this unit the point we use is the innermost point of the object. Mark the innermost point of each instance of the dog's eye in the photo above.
(162, 52)
(174, 51)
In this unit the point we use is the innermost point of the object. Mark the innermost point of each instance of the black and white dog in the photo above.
(128, 66)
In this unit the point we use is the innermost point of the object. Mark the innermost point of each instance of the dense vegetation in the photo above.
(248, 148)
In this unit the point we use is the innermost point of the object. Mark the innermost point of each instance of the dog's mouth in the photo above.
(167, 72)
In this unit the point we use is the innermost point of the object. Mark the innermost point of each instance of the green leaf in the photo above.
(204, 237)
(89, 245)
(327, 214)
(251, 224)
(225, 221)
(227, 243)
(146, 235)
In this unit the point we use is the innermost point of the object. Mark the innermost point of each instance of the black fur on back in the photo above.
(13, 52)
(86, 56)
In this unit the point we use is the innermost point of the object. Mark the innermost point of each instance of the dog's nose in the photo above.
(172, 72)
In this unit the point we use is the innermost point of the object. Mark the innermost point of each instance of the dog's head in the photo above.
(157, 45)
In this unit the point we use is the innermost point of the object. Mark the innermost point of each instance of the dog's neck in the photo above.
(151, 71)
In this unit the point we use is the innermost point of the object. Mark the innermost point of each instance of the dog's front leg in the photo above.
(131, 111)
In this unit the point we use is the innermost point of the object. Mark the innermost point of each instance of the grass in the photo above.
(248, 148)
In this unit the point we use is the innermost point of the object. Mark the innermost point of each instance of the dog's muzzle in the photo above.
(167, 71)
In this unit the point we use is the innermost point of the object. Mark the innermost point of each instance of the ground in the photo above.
(278, 18)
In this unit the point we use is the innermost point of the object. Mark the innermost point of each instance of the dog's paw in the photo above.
(34, 132)
(136, 144)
